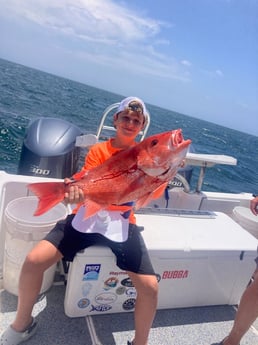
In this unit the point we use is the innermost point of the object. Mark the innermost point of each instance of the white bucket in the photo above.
(23, 231)
(246, 219)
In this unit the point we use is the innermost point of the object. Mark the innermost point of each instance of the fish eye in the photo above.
(154, 142)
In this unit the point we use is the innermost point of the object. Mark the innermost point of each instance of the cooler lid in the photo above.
(193, 233)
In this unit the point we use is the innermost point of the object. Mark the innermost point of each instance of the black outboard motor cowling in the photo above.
(49, 149)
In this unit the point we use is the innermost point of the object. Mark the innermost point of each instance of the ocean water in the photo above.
(27, 94)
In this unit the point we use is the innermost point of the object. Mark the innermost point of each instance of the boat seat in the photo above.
(178, 199)
(218, 204)
(246, 219)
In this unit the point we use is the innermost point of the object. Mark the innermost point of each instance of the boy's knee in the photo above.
(30, 263)
(151, 288)
(155, 288)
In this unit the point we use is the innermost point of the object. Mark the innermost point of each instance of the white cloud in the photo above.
(88, 19)
(214, 73)
(219, 73)
(103, 31)
(186, 63)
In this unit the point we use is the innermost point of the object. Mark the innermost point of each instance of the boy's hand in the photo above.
(75, 194)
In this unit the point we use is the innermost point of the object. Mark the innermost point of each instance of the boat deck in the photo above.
(182, 326)
(205, 325)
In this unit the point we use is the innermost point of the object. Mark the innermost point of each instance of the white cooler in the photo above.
(199, 260)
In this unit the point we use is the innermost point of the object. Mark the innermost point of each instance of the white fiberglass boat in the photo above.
(202, 245)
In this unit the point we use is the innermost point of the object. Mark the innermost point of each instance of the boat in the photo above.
(202, 244)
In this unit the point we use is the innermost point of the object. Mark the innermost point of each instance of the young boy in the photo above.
(64, 241)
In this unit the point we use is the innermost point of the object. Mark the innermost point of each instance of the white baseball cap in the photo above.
(133, 103)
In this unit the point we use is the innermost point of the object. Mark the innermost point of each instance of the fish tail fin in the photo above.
(48, 193)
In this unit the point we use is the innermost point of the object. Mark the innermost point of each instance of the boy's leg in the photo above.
(44, 255)
(133, 257)
(145, 307)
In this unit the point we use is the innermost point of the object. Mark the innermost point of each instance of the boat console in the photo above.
(195, 214)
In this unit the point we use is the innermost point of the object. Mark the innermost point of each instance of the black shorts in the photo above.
(132, 255)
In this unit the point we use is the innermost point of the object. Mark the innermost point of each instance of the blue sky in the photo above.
(197, 57)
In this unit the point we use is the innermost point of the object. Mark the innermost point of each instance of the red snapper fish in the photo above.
(139, 173)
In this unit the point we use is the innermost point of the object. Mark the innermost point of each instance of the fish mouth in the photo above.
(177, 139)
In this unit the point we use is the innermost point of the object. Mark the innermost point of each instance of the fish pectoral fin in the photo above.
(150, 196)
(143, 201)
(157, 193)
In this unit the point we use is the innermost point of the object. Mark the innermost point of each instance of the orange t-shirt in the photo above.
(97, 155)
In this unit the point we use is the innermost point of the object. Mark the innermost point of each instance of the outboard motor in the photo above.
(186, 172)
(49, 149)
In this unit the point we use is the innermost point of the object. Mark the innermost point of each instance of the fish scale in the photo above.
(138, 174)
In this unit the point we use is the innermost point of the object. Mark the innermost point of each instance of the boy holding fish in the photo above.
(64, 241)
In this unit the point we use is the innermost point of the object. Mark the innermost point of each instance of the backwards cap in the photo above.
(128, 103)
